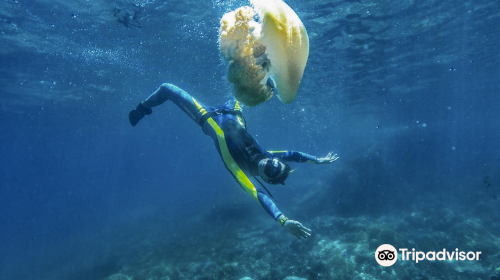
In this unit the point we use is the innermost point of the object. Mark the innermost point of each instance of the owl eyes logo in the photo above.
(386, 255)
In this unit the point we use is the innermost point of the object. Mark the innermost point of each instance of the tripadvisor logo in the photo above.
(386, 255)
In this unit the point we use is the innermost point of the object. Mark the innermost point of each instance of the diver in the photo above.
(243, 157)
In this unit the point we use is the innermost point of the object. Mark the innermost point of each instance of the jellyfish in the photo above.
(276, 46)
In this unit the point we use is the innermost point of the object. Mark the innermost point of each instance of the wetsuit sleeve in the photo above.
(268, 204)
(294, 156)
(258, 194)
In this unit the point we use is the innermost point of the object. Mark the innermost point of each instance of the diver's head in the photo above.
(274, 171)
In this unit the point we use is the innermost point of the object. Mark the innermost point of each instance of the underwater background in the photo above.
(405, 92)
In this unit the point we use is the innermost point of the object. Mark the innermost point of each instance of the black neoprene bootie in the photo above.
(138, 113)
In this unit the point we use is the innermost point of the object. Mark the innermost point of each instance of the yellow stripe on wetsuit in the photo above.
(202, 110)
(238, 108)
(230, 163)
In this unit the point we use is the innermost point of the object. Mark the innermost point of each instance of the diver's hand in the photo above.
(328, 159)
(297, 229)
(294, 228)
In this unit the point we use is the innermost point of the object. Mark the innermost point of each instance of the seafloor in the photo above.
(341, 248)
(347, 229)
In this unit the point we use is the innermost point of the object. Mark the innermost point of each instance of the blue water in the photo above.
(406, 93)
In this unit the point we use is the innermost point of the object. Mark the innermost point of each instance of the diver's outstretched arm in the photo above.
(294, 156)
(303, 157)
(293, 227)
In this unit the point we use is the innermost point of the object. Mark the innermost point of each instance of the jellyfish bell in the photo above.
(287, 45)
(276, 46)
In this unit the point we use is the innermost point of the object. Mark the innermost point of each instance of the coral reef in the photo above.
(340, 248)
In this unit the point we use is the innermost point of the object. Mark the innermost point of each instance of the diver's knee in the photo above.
(166, 90)
(170, 89)
(167, 86)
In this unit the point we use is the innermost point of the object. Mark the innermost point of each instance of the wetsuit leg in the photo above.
(194, 109)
